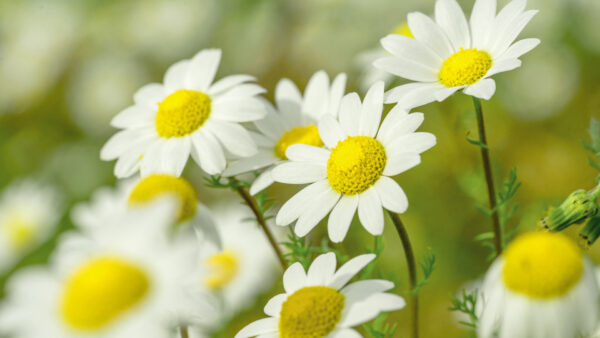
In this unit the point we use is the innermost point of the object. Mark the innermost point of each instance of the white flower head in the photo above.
(124, 279)
(354, 171)
(318, 303)
(186, 115)
(451, 54)
(29, 213)
(541, 287)
(293, 121)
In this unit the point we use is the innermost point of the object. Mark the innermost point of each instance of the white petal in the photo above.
(176, 75)
(347, 271)
(295, 206)
(411, 49)
(263, 181)
(176, 152)
(341, 217)
(503, 66)
(289, 100)
(408, 69)
(272, 126)
(519, 48)
(483, 89)
(294, 278)
(370, 212)
(299, 172)
(400, 162)
(349, 116)
(510, 33)
(315, 211)
(398, 123)
(345, 333)
(391, 195)
(330, 131)
(430, 34)
(450, 17)
(482, 17)
(306, 153)
(207, 152)
(442, 94)
(258, 327)
(316, 95)
(322, 269)
(413, 94)
(363, 289)
(150, 95)
(203, 68)
(338, 87)
(370, 115)
(239, 110)
(228, 82)
(127, 165)
(244, 165)
(134, 117)
(123, 141)
(413, 143)
(233, 137)
(240, 92)
(273, 307)
(387, 301)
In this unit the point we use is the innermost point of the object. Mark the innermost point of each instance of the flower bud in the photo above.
(575, 209)
(590, 233)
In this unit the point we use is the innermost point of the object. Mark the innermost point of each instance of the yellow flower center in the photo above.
(160, 185)
(311, 312)
(355, 164)
(542, 265)
(304, 135)
(19, 232)
(100, 291)
(465, 67)
(181, 113)
(224, 266)
(402, 29)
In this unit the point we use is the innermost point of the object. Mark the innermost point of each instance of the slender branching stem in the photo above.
(183, 331)
(489, 177)
(412, 271)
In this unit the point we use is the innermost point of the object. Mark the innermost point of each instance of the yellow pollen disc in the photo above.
(402, 29)
(542, 265)
(100, 291)
(311, 312)
(224, 267)
(355, 164)
(19, 232)
(181, 113)
(159, 185)
(465, 67)
(304, 135)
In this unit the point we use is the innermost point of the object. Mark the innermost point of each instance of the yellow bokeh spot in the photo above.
(159, 185)
(19, 232)
(311, 312)
(465, 67)
(224, 267)
(100, 291)
(355, 164)
(303, 135)
(181, 113)
(403, 29)
(542, 265)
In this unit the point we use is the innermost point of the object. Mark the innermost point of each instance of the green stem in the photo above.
(489, 178)
(183, 331)
(412, 271)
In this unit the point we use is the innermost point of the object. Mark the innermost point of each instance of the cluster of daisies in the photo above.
(149, 259)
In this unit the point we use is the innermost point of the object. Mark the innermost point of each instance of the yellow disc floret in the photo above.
(465, 67)
(311, 312)
(181, 113)
(304, 135)
(403, 29)
(355, 164)
(159, 185)
(100, 291)
(224, 266)
(542, 265)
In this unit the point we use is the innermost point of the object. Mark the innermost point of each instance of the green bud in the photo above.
(590, 233)
(575, 209)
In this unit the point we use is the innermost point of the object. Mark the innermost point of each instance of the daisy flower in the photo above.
(186, 114)
(292, 122)
(318, 303)
(542, 286)
(103, 285)
(354, 171)
(29, 213)
(451, 54)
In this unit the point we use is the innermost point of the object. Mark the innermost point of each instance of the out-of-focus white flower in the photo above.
(126, 278)
(541, 287)
(29, 213)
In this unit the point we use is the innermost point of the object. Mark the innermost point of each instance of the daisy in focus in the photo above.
(29, 214)
(186, 115)
(354, 171)
(102, 285)
(318, 303)
(451, 54)
(293, 121)
(542, 286)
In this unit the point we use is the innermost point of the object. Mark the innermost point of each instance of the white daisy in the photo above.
(187, 114)
(29, 213)
(449, 54)
(294, 121)
(542, 286)
(353, 171)
(124, 279)
(318, 303)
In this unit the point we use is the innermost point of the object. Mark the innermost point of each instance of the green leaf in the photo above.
(477, 142)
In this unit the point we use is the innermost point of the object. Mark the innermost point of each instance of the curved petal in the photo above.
(248, 164)
(273, 306)
(391, 195)
(207, 153)
(413, 94)
(233, 137)
(345, 333)
(263, 181)
(349, 116)
(400, 162)
(408, 69)
(316, 95)
(175, 77)
(482, 18)
(315, 211)
(289, 100)
(330, 131)
(305, 153)
(322, 269)
(411, 49)
(503, 66)
(294, 278)
(450, 17)
(483, 89)
(519, 48)
(398, 123)
(413, 143)
(295, 206)
(336, 92)
(228, 82)
(370, 212)
(202, 69)
(347, 271)
(426, 31)
(150, 95)
(299, 172)
(510, 33)
(341, 218)
(239, 110)
(258, 327)
(370, 114)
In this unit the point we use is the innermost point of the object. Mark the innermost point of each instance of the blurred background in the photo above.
(67, 67)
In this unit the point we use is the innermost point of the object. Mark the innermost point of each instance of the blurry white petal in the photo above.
(258, 327)
(176, 75)
(228, 82)
(233, 137)
(305, 153)
(408, 69)
(239, 110)
(203, 68)
(330, 131)
(248, 164)
(411, 49)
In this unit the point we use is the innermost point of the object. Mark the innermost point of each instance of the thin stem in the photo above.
(489, 177)
(412, 271)
(251, 202)
(183, 331)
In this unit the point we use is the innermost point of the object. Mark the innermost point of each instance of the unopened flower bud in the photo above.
(590, 233)
(575, 209)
